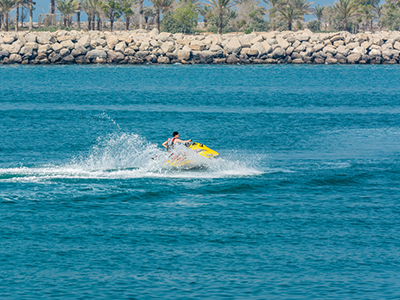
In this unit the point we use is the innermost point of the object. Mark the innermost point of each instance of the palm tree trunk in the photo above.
(52, 7)
(220, 22)
(111, 24)
(93, 22)
(78, 19)
(345, 24)
(1, 20)
(6, 19)
(98, 23)
(290, 25)
(65, 21)
(30, 15)
(127, 23)
(17, 18)
(89, 21)
(141, 14)
(158, 19)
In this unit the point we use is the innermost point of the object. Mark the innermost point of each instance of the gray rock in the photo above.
(331, 60)
(163, 60)
(31, 37)
(9, 38)
(396, 45)
(375, 52)
(45, 38)
(353, 58)
(56, 47)
(278, 53)
(298, 61)
(4, 54)
(64, 52)
(232, 59)
(233, 46)
(112, 40)
(168, 47)
(84, 41)
(54, 57)
(94, 54)
(15, 58)
(289, 50)
(120, 47)
(69, 59)
(282, 43)
(115, 56)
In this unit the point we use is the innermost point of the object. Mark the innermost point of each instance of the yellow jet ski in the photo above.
(189, 158)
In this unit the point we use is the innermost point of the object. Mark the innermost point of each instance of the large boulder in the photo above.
(259, 47)
(85, 41)
(9, 38)
(115, 56)
(329, 49)
(343, 50)
(163, 60)
(232, 59)
(168, 47)
(184, 54)
(267, 47)
(69, 59)
(15, 58)
(44, 49)
(45, 38)
(197, 46)
(4, 54)
(9, 48)
(95, 54)
(396, 45)
(120, 47)
(67, 44)
(112, 40)
(233, 46)
(353, 58)
(282, 43)
(278, 53)
(31, 37)
(375, 52)
(249, 51)
(56, 47)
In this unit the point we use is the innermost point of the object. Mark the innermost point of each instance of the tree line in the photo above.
(218, 15)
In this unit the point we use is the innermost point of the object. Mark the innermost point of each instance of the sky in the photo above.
(43, 6)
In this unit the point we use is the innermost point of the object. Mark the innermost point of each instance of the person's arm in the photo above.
(183, 142)
(165, 144)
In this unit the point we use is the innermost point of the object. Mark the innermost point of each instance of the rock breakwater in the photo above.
(145, 47)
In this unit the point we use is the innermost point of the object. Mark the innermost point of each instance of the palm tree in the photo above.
(30, 14)
(273, 7)
(127, 10)
(205, 12)
(220, 6)
(140, 2)
(67, 8)
(378, 12)
(148, 13)
(345, 9)
(53, 6)
(112, 10)
(7, 6)
(161, 6)
(318, 12)
(288, 13)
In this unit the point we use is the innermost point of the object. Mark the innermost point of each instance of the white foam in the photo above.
(126, 156)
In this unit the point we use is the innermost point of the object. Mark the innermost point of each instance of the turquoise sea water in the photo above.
(303, 203)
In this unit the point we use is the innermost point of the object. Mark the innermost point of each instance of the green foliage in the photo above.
(248, 31)
(169, 24)
(182, 20)
(226, 20)
(314, 26)
(186, 17)
(391, 16)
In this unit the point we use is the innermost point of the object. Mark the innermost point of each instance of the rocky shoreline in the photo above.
(152, 47)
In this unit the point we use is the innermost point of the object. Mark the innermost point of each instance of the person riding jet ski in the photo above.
(169, 144)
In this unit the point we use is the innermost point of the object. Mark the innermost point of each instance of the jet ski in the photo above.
(193, 156)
